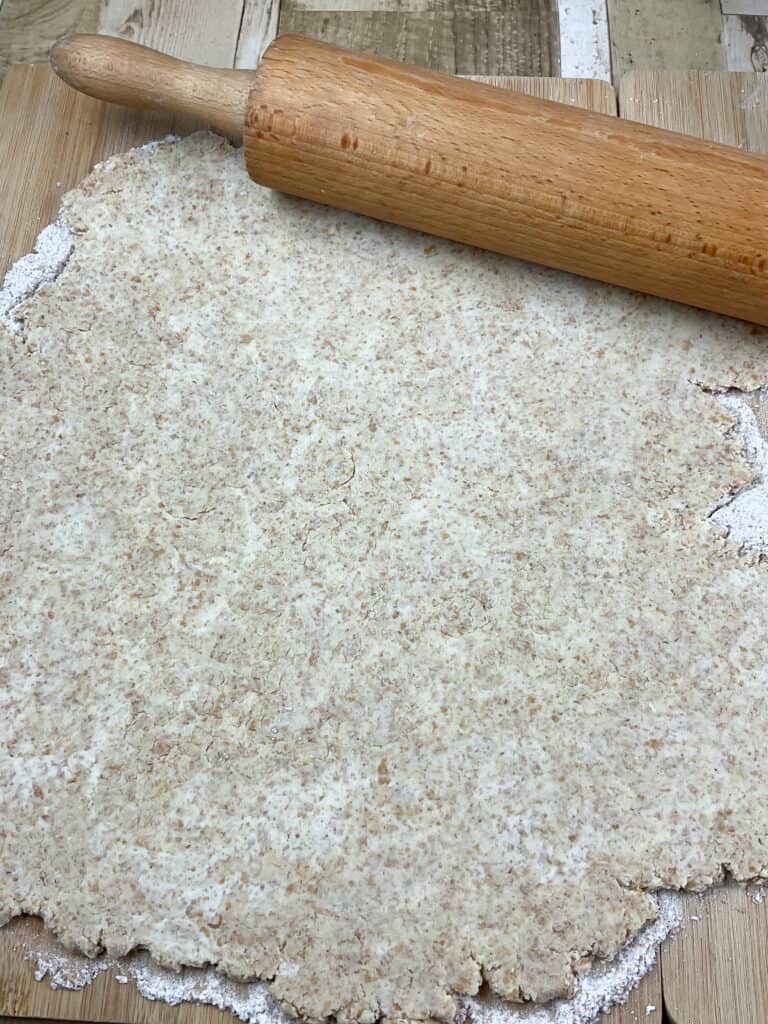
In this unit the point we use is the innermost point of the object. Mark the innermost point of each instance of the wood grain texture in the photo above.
(714, 967)
(474, 37)
(257, 30)
(673, 216)
(132, 75)
(585, 49)
(576, 92)
(665, 34)
(644, 1005)
(746, 42)
(724, 107)
(196, 30)
(28, 27)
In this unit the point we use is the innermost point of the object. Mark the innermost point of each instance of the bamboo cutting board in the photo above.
(73, 132)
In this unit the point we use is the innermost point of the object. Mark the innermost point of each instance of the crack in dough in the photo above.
(363, 627)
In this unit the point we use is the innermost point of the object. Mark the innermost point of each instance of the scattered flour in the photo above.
(602, 986)
(42, 265)
(46, 261)
(745, 514)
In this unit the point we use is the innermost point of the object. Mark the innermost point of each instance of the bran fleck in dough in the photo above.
(363, 627)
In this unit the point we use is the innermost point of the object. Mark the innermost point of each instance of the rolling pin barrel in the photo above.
(585, 192)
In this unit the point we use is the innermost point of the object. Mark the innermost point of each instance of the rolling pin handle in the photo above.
(119, 71)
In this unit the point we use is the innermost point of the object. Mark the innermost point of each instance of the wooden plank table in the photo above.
(712, 972)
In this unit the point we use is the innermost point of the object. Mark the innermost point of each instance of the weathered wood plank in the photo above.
(28, 27)
(660, 34)
(746, 42)
(190, 29)
(257, 29)
(744, 6)
(478, 37)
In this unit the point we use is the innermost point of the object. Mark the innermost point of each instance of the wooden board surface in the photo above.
(723, 106)
(715, 967)
(105, 999)
(665, 34)
(578, 92)
(28, 27)
(745, 37)
(573, 38)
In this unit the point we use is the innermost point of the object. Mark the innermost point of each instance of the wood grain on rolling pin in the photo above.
(613, 200)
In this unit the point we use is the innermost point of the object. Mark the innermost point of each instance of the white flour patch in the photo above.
(67, 970)
(602, 986)
(745, 514)
(44, 264)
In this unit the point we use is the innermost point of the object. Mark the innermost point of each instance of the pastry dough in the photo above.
(364, 628)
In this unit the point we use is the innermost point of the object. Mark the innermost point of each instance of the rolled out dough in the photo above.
(363, 627)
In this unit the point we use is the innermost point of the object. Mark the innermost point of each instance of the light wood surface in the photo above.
(503, 37)
(28, 27)
(577, 92)
(105, 999)
(219, 33)
(725, 107)
(258, 27)
(190, 29)
(714, 968)
(585, 49)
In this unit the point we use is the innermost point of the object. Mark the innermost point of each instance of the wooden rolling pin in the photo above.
(581, 191)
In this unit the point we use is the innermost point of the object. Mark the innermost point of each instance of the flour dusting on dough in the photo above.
(745, 514)
(42, 265)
